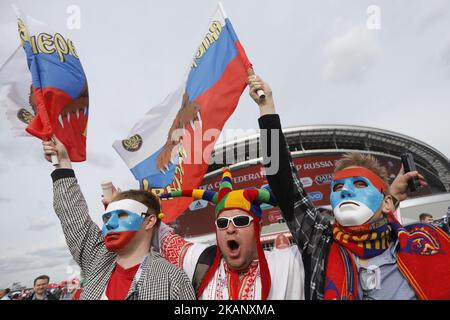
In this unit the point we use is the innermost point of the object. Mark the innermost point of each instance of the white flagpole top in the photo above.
(222, 9)
(10, 58)
(16, 9)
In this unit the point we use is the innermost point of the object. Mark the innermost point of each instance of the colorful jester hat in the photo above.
(248, 200)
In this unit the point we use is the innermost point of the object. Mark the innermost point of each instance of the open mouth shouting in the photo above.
(233, 248)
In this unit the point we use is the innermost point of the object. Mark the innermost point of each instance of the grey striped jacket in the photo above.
(160, 280)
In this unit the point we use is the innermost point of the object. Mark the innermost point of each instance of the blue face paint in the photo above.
(369, 196)
(121, 220)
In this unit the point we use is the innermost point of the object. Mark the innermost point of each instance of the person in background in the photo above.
(77, 293)
(64, 291)
(4, 294)
(16, 296)
(443, 222)
(426, 218)
(58, 292)
(25, 294)
(40, 286)
(282, 242)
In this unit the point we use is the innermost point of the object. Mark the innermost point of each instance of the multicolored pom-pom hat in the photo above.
(247, 200)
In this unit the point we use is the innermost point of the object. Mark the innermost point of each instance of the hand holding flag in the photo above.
(252, 76)
(266, 105)
(54, 148)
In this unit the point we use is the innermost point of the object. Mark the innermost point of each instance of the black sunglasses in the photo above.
(238, 221)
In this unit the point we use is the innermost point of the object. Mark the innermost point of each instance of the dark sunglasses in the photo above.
(238, 221)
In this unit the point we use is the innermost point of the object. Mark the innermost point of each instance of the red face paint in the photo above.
(362, 172)
(115, 241)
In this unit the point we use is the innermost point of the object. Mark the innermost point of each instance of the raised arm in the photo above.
(83, 236)
(304, 221)
(399, 187)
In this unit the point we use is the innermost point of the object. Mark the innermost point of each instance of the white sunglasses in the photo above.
(241, 221)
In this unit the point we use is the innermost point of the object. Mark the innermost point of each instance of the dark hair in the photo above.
(43, 277)
(7, 290)
(145, 197)
(423, 216)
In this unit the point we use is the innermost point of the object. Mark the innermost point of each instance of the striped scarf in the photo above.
(365, 241)
(422, 257)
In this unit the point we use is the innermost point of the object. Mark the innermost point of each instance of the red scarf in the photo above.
(422, 257)
(240, 284)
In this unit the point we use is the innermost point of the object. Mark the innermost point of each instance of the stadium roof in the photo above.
(339, 138)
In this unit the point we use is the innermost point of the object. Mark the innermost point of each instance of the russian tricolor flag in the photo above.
(58, 92)
(169, 149)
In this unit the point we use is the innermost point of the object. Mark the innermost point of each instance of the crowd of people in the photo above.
(361, 252)
(42, 291)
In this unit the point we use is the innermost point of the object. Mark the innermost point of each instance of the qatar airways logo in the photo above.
(324, 178)
(316, 165)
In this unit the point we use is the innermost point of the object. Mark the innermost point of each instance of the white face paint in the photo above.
(355, 201)
(352, 213)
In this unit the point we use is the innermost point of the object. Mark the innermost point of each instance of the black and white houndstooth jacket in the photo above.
(160, 280)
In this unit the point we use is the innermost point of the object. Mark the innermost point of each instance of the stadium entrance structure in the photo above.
(315, 150)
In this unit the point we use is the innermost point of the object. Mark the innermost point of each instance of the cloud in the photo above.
(42, 257)
(4, 199)
(433, 16)
(39, 224)
(351, 55)
(53, 259)
(445, 57)
(17, 150)
(99, 160)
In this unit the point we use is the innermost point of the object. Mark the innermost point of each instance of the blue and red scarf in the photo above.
(422, 257)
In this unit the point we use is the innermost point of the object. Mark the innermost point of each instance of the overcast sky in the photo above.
(324, 64)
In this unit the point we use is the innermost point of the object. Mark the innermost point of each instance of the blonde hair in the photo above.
(362, 160)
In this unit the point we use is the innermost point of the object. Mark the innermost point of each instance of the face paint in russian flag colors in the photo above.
(352, 205)
(122, 220)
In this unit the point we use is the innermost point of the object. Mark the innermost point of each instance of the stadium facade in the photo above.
(315, 150)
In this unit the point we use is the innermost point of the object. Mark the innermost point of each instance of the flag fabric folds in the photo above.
(54, 100)
(15, 82)
(170, 147)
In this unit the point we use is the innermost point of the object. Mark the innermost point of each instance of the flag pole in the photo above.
(222, 10)
(250, 72)
(55, 160)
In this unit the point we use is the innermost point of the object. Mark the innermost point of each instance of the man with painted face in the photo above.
(366, 253)
(237, 268)
(117, 261)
